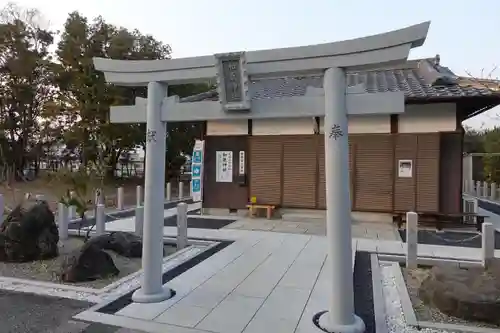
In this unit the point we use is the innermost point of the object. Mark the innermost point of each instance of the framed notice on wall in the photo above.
(224, 167)
(405, 168)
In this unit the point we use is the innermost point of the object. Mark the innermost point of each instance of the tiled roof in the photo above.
(418, 79)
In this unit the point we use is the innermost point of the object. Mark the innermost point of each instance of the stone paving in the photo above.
(263, 282)
(371, 230)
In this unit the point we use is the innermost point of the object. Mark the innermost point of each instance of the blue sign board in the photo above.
(197, 157)
(196, 170)
(196, 185)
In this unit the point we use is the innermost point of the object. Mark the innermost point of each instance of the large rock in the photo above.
(471, 294)
(123, 243)
(87, 264)
(29, 233)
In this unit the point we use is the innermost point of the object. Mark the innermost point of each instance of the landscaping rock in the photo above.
(29, 233)
(471, 294)
(123, 243)
(87, 264)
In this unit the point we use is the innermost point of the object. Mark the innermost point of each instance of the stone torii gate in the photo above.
(234, 72)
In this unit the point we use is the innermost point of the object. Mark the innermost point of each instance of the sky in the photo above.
(464, 33)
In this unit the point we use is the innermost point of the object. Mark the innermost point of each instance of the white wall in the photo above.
(427, 118)
(227, 127)
(283, 126)
(416, 119)
(365, 124)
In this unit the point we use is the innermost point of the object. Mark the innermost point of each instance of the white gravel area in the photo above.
(396, 322)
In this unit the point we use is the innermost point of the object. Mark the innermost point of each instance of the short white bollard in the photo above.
(478, 189)
(2, 208)
(168, 195)
(71, 213)
(139, 220)
(99, 197)
(119, 198)
(182, 240)
(181, 190)
(72, 209)
(493, 192)
(411, 239)
(62, 221)
(100, 220)
(138, 196)
(487, 244)
(27, 196)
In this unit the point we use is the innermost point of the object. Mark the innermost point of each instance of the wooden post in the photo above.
(487, 244)
(138, 195)
(100, 220)
(411, 239)
(169, 192)
(139, 220)
(119, 198)
(62, 221)
(182, 237)
(181, 190)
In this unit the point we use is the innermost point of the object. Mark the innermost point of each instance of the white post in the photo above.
(119, 198)
(152, 289)
(181, 190)
(99, 197)
(340, 316)
(478, 189)
(475, 206)
(2, 208)
(72, 209)
(182, 237)
(411, 239)
(100, 220)
(467, 166)
(487, 244)
(493, 192)
(139, 220)
(138, 195)
(62, 221)
(169, 192)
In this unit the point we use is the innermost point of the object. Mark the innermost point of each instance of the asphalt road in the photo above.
(28, 313)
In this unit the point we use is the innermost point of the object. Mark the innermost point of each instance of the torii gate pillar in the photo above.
(340, 316)
(152, 289)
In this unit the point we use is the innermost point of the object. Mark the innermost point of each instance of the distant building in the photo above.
(398, 162)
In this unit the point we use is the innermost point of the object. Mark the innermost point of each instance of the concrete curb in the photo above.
(378, 296)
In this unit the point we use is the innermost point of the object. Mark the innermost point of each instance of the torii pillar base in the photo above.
(140, 297)
(325, 325)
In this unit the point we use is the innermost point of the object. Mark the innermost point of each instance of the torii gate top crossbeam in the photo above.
(389, 47)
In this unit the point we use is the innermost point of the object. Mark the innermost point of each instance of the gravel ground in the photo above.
(47, 270)
(28, 313)
(424, 312)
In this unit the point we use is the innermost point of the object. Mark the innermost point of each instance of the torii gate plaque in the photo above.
(233, 71)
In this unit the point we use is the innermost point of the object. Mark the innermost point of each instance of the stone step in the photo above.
(303, 217)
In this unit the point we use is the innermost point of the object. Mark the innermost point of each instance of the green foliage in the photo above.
(486, 141)
(26, 77)
(53, 102)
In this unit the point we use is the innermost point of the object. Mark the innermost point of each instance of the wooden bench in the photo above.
(253, 207)
(441, 220)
